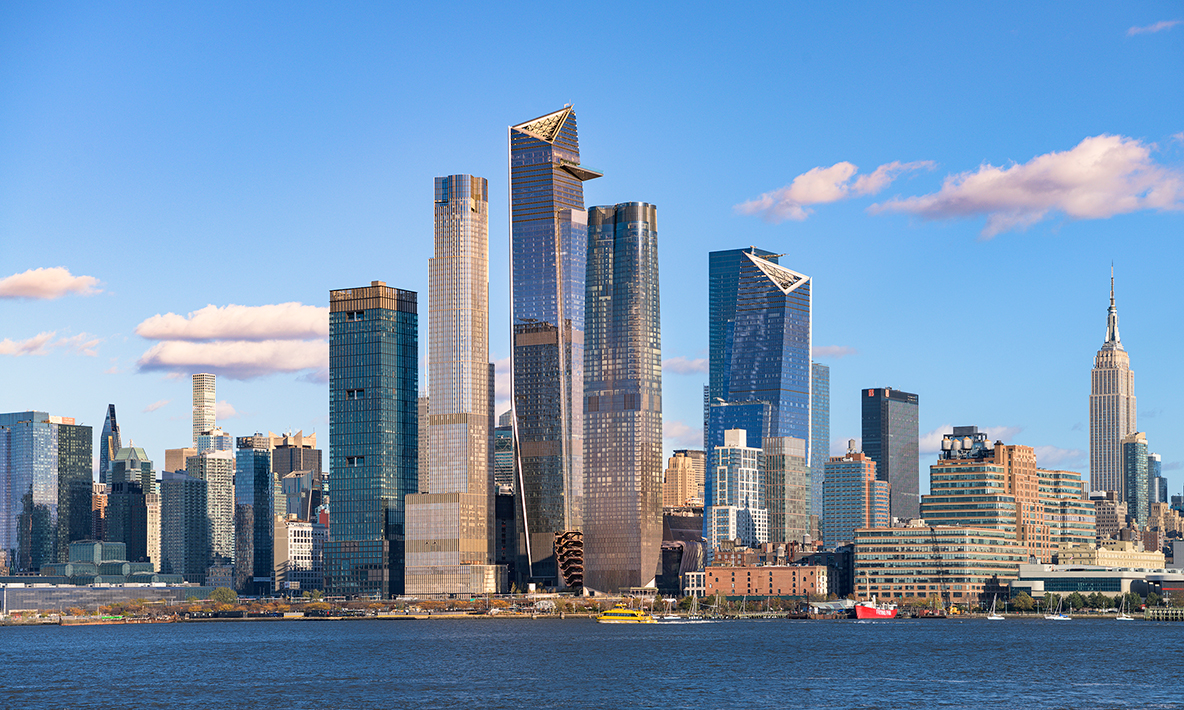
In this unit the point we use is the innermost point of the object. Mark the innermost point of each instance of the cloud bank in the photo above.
(685, 366)
(40, 344)
(1101, 177)
(835, 351)
(47, 284)
(240, 342)
(822, 185)
(681, 435)
(1157, 27)
(156, 405)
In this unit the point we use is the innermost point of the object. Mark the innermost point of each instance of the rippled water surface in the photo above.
(511, 663)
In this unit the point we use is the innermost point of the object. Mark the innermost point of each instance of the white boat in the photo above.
(993, 616)
(1122, 615)
(1058, 616)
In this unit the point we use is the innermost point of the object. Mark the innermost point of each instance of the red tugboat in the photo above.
(872, 610)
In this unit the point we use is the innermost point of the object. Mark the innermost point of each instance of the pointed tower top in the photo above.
(1112, 337)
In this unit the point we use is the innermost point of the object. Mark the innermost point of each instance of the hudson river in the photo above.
(491, 663)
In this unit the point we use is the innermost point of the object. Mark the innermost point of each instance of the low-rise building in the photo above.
(766, 581)
(1036, 580)
(960, 564)
(299, 554)
(1112, 553)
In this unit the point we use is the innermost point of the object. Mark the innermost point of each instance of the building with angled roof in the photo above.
(549, 245)
(1112, 411)
(108, 443)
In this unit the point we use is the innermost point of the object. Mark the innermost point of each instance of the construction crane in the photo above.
(939, 566)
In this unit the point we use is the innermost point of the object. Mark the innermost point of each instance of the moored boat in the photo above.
(621, 615)
(872, 610)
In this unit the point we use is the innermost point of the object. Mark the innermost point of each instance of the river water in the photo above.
(518, 663)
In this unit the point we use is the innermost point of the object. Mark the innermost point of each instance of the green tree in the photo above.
(1023, 602)
(1154, 599)
(223, 595)
(1050, 601)
(1075, 601)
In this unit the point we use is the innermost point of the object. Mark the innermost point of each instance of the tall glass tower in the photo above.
(622, 399)
(1112, 413)
(548, 244)
(108, 443)
(891, 439)
(819, 433)
(373, 436)
(450, 524)
(723, 273)
(1135, 476)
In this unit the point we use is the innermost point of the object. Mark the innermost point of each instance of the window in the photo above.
(355, 394)
(353, 461)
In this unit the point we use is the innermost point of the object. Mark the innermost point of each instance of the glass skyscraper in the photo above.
(890, 438)
(1135, 477)
(373, 436)
(723, 283)
(548, 244)
(819, 433)
(622, 399)
(449, 543)
(108, 443)
(257, 504)
(184, 526)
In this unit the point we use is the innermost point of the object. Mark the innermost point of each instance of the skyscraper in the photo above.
(723, 283)
(1134, 476)
(1156, 483)
(205, 404)
(108, 443)
(1112, 414)
(425, 451)
(450, 525)
(257, 506)
(217, 469)
(622, 399)
(853, 497)
(890, 438)
(45, 487)
(738, 509)
(373, 436)
(819, 432)
(787, 486)
(184, 526)
(549, 242)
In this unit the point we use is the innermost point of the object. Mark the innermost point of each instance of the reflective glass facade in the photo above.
(853, 498)
(723, 281)
(1135, 478)
(373, 436)
(819, 432)
(45, 487)
(548, 243)
(622, 399)
(890, 438)
(503, 457)
(108, 443)
(257, 505)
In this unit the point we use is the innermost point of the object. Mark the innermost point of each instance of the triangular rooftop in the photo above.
(785, 279)
(545, 128)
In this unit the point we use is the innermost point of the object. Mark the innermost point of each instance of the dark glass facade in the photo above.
(548, 240)
(890, 438)
(819, 433)
(257, 503)
(373, 436)
(503, 457)
(622, 399)
(127, 518)
(1135, 478)
(109, 443)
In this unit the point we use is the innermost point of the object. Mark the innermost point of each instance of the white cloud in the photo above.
(685, 366)
(156, 405)
(822, 185)
(1053, 456)
(50, 283)
(1100, 177)
(224, 410)
(835, 351)
(281, 321)
(237, 359)
(681, 435)
(1178, 137)
(82, 344)
(1002, 433)
(37, 345)
(1157, 27)
(113, 370)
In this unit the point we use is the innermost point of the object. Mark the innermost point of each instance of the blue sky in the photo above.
(956, 181)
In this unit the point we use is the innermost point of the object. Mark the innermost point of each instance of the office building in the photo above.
(787, 485)
(174, 459)
(959, 565)
(373, 436)
(205, 404)
(449, 543)
(217, 469)
(108, 443)
(425, 451)
(1071, 516)
(1135, 481)
(131, 464)
(890, 438)
(1112, 410)
(724, 269)
(1111, 513)
(133, 518)
(214, 440)
(184, 526)
(503, 457)
(622, 399)
(98, 512)
(257, 506)
(45, 487)
(853, 497)
(1157, 485)
(548, 243)
(737, 509)
(819, 432)
(295, 452)
(299, 555)
(680, 486)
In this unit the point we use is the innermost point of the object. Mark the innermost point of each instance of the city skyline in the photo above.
(1051, 294)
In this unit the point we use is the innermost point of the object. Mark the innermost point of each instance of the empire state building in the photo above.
(1111, 406)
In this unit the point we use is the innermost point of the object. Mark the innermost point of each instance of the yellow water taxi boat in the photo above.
(621, 615)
